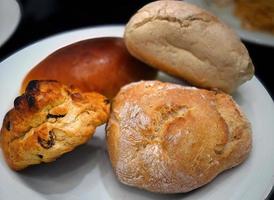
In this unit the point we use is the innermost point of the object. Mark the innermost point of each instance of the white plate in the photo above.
(9, 18)
(226, 15)
(86, 172)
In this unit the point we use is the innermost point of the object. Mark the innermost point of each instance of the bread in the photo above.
(188, 42)
(48, 120)
(100, 64)
(168, 138)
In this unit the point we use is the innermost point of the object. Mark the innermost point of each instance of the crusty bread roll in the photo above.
(100, 64)
(48, 120)
(188, 42)
(168, 138)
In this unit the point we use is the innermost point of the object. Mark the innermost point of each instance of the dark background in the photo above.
(42, 18)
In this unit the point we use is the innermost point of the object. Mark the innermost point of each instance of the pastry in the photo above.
(48, 120)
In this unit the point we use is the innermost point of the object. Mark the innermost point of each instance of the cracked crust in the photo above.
(188, 42)
(168, 138)
(48, 120)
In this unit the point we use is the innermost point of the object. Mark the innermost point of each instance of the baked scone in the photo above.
(188, 42)
(48, 120)
(168, 138)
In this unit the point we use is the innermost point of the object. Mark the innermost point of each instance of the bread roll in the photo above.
(167, 138)
(48, 120)
(100, 64)
(190, 43)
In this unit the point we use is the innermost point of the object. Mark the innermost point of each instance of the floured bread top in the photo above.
(169, 138)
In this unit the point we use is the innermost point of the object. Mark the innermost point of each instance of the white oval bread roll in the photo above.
(168, 138)
(188, 42)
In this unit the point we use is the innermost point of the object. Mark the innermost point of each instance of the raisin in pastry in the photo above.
(48, 120)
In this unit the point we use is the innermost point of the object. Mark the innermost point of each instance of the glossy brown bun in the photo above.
(100, 64)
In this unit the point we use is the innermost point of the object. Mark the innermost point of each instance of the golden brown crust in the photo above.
(100, 64)
(169, 138)
(48, 120)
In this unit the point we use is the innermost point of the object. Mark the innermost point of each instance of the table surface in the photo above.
(44, 18)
